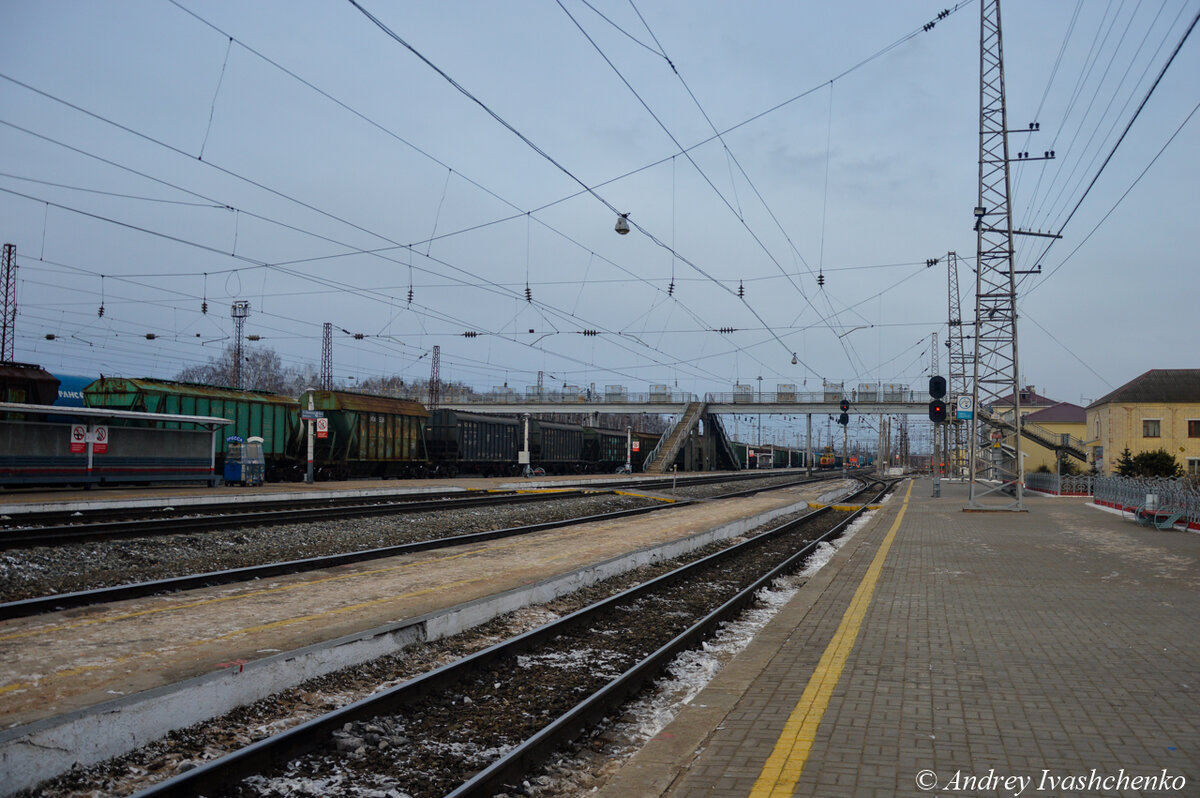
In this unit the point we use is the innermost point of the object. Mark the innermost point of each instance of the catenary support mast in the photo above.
(996, 469)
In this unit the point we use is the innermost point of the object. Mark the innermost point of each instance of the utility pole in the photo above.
(239, 311)
(996, 365)
(326, 381)
(9, 335)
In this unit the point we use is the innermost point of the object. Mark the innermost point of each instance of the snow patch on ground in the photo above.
(687, 675)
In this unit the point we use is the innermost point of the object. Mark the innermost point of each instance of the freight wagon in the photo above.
(25, 383)
(273, 417)
(472, 443)
(555, 447)
(365, 436)
(605, 450)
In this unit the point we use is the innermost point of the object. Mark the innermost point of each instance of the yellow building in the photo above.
(1158, 410)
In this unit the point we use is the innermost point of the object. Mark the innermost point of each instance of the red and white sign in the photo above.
(99, 440)
(322, 428)
(637, 446)
(79, 437)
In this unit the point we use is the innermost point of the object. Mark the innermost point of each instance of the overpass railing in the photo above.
(569, 397)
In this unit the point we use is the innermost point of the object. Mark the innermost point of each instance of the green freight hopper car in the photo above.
(604, 449)
(273, 417)
(365, 436)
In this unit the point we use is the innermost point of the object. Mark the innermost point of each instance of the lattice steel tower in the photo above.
(435, 379)
(960, 368)
(995, 467)
(239, 311)
(326, 380)
(8, 337)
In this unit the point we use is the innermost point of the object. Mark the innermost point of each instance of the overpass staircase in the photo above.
(725, 459)
(660, 460)
(1057, 442)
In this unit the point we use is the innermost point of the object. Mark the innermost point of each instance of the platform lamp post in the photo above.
(628, 449)
(760, 410)
(308, 476)
(523, 457)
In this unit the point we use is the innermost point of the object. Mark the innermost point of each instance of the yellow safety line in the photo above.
(645, 496)
(783, 767)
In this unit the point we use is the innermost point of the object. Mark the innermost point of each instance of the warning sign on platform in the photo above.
(637, 446)
(99, 440)
(79, 438)
(322, 428)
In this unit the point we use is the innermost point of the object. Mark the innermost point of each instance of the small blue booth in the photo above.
(244, 460)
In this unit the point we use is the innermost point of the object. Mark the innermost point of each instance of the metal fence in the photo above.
(1060, 486)
(1127, 494)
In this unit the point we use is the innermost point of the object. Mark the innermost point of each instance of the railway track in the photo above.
(84, 598)
(480, 725)
(58, 527)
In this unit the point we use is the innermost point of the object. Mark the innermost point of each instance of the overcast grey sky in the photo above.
(149, 162)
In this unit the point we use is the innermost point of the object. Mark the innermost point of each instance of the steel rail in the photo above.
(83, 598)
(72, 528)
(26, 537)
(524, 757)
(220, 774)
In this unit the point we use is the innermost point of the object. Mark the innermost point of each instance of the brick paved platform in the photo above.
(1050, 652)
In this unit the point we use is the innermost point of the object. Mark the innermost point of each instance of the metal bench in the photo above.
(1162, 517)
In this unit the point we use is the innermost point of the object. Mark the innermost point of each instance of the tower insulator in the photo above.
(741, 290)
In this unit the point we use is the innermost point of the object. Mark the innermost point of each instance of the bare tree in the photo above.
(262, 370)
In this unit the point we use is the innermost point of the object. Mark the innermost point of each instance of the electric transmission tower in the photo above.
(8, 336)
(240, 310)
(326, 381)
